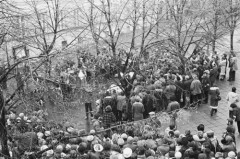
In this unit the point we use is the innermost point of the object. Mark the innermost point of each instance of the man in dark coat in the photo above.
(148, 104)
(213, 74)
(88, 102)
(236, 113)
(161, 100)
(179, 91)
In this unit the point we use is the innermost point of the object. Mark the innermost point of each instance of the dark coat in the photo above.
(148, 104)
(138, 110)
(213, 74)
(236, 112)
(214, 92)
(161, 100)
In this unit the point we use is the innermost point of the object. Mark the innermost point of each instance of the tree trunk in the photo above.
(3, 129)
(231, 39)
(182, 67)
(213, 45)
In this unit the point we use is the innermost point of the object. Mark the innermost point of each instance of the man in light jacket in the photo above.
(196, 89)
(232, 97)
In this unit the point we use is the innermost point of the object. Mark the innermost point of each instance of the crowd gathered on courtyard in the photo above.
(127, 126)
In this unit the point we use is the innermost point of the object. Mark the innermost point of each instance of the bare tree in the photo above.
(231, 12)
(184, 30)
(213, 23)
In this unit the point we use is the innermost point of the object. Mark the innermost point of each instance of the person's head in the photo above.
(148, 153)
(172, 98)
(81, 148)
(108, 93)
(231, 155)
(107, 146)
(228, 139)
(202, 156)
(141, 150)
(152, 115)
(200, 127)
(234, 89)
(137, 99)
(230, 121)
(233, 105)
(172, 127)
(230, 129)
(108, 108)
(210, 134)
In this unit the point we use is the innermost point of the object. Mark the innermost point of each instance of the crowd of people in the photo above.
(127, 126)
(137, 140)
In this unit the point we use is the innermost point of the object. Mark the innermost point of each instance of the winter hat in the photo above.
(177, 133)
(90, 138)
(47, 133)
(92, 132)
(43, 147)
(108, 108)
(135, 139)
(50, 153)
(129, 139)
(98, 147)
(228, 138)
(178, 155)
(127, 152)
(231, 154)
(124, 136)
(120, 142)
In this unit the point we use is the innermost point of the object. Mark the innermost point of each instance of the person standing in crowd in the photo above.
(213, 74)
(196, 90)
(236, 114)
(148, 104)
(114, 103)
(173, 106)
(214, 98)
(179, 91)
(161, 100)
(138, 110)
(108, 117)
(186, 86)
(88, 102)
(170, 90)
(205, 85)
(121, 105)
(223, 65)
(107, 100)
(232, 97)
(233, 67)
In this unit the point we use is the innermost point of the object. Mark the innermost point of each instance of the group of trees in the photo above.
(133, 25)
